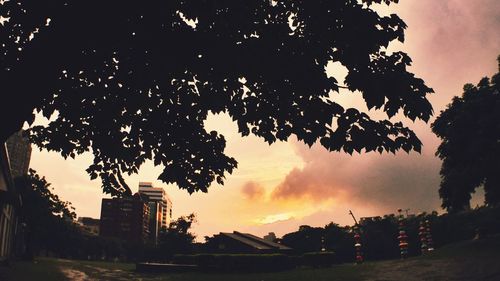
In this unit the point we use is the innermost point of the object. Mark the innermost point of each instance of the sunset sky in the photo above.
(280, 187)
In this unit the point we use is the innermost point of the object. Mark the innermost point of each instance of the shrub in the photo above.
(255, 262)
(238, 262)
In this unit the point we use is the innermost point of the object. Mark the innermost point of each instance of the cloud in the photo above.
(385, 182)
(275, 218)
(253, 190)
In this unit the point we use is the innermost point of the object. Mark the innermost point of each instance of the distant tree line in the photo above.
(379, 234)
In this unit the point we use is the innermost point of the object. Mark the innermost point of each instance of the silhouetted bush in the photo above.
(238, 262)
(449, 228)
(255, 262)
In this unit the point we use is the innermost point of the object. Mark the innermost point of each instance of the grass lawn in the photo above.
(467, 260)
(58, 269)
(42, 269)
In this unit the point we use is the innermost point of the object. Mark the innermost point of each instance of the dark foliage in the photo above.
(331, 238)
(176, 239)
(379, 238)
(470, 132)
(379, 234)
(476, 223)
(340, 241)
(132, 81)
(306, 239)
(47, 217)
(50, 227)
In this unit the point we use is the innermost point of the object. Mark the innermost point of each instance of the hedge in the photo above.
(254, 262)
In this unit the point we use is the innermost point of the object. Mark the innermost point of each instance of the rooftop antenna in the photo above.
(352, 215)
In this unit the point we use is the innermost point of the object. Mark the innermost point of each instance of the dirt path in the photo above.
(74, 275)
(82, 272)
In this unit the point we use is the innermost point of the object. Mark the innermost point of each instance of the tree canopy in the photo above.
(177, 238)
(470, 148)
(132, 81)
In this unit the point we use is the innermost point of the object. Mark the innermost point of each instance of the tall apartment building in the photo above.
(19, 149)
(160, 207)
(125, 218)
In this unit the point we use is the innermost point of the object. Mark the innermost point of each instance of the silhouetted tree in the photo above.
(133, 81)
(48, 218)
(306, 239)
(379, 238)
(177, 239)
(339, 240)
(470, 148)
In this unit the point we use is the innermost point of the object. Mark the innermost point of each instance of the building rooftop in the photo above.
(254, 241)
(153, 192)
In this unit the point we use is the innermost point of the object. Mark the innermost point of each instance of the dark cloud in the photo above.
(253, 190)
(385, 182)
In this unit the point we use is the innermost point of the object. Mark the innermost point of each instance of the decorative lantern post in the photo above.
(403, 238)
(422, 234)
(357, 240)
(357, 245)
(430, 243)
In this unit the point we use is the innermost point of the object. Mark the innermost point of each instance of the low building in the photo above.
(125, 218)
(245, 243)
(89, 225)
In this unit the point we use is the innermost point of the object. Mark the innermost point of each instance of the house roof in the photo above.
(254, 241)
